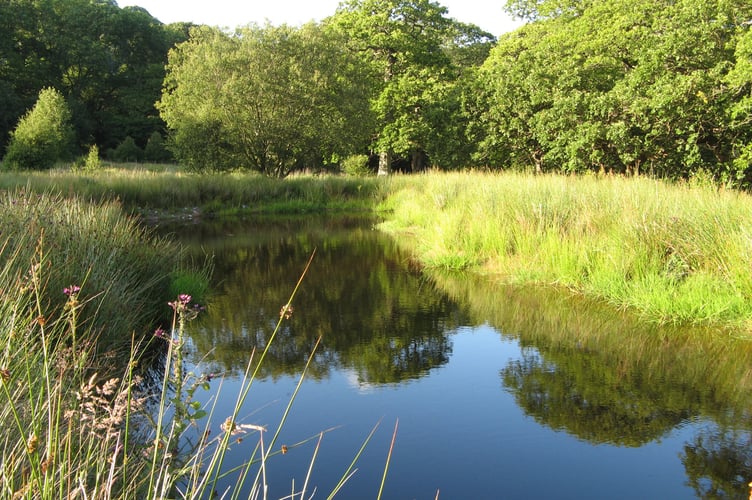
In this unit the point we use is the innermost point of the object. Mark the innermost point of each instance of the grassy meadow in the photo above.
(84, 288)
(160, 190)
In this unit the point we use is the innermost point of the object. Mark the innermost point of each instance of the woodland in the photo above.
(624, 86)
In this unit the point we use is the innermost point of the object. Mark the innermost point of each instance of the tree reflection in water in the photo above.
(376, 317)
(598, 375)
(607, 378)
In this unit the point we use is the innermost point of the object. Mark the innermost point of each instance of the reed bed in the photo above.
(673, 253)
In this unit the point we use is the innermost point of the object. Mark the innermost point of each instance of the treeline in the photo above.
(657, 86)
(107, 63)
(627, 86)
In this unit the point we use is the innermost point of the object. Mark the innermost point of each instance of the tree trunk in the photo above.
(385, 163)
(417, 161)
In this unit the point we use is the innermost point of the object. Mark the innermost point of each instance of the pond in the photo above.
(496, 391)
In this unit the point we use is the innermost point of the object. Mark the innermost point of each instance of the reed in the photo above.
(673, 253)
(73, 426)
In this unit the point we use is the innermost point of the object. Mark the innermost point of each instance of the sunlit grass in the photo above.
(671, 253)
(167, 188)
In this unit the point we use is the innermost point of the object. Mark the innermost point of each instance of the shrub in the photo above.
(127, 151)
(90, 162)
(356, 165)
(43, 136)
(155, 150)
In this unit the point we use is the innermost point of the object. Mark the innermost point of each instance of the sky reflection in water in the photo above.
(557, 399)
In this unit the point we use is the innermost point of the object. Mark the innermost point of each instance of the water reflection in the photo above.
(385, 323)
(608, 378)
(600, 377)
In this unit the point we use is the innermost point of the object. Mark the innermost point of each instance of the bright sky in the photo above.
(487, 14)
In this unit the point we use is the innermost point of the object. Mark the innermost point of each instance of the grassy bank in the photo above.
(154, 190)
(671, 253)
(78, 283)
(123, 271)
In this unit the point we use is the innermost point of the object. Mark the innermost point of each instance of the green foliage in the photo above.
(107, 61)
(155, 150)
(356, 165)
(270, 99)
(598, 86)
(43, 136)
(89, 163)
(127, 151)
(414, 53)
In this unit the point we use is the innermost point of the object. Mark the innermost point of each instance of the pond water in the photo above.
(498, 392)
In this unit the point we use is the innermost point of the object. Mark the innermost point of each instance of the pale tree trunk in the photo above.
(385, 163)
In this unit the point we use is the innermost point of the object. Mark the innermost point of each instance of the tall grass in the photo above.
(123, 269)
(145, 190)
(79, 283)
(672, 253)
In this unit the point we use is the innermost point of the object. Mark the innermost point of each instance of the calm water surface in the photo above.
(498, 392)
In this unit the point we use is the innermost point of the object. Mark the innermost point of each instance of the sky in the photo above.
(487, 14)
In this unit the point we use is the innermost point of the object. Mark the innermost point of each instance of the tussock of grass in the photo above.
(124, 271)
(672, 253)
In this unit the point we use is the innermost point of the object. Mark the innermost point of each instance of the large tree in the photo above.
(108, 63)
(271, 99)
(624, 85)
(409, 45)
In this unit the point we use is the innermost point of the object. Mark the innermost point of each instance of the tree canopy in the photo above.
(272, 99)
(107, 62)
(620, 85)
(625, 86)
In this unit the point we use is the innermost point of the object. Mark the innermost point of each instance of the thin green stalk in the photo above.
(286, 412)
(388, 458)
(350, 469)
(246, 389)
(310, 466)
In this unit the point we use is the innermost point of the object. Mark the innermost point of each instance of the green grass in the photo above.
(123, 270)
(75, 420)
(670, 253)
(158, 190)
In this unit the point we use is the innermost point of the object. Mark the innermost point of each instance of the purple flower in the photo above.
(159, 333)
(181, 303)
(72, 290)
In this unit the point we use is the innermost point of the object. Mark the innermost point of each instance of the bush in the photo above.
(127, 151)
(155, 150)
(43, 136)
(356, 165)
(90, 162)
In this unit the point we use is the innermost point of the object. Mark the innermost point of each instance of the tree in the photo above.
(108, 63)
(272, 99)
(401, 42)
(419, 59)
(43, 136)
(626, 86)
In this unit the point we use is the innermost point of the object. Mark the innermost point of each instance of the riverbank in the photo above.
(74, 271)
(158, 191)
(671, 253)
